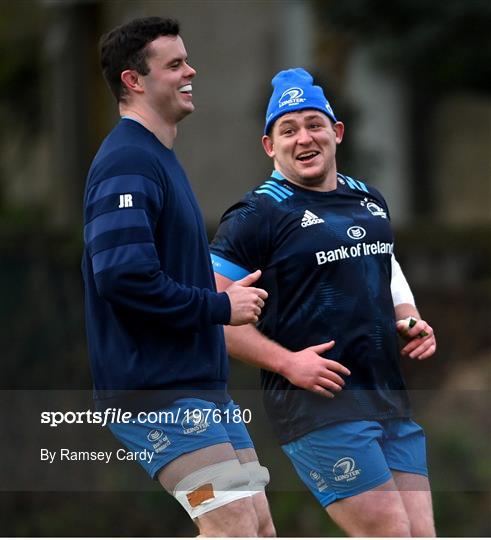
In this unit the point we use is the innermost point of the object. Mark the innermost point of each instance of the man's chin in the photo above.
(312, 178)
(186, 111)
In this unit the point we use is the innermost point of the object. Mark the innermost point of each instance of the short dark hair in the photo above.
(125, 47)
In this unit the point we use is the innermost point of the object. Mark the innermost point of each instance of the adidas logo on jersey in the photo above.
(310, 219)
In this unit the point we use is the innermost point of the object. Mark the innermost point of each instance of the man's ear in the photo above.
(268, 145)
(339, 130)
(131, 80)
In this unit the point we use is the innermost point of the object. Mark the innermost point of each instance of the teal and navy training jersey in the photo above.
(326, 263)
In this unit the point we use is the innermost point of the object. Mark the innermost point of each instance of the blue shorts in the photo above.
(158, 437)
(347, 458)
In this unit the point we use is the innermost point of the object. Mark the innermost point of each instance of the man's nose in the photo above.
(304, 136)
(191, 72)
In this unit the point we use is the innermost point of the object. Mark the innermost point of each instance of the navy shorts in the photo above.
(189, 424)
(347, 458)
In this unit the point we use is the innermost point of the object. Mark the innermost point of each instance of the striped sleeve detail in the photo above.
(354, 184)
(126, 191)
(282, 189)
(118, 220)
(120, 255)
(127, 183)
(119, 237)
(112, 202)
(274, 190)
(269, 193)
(120, 217)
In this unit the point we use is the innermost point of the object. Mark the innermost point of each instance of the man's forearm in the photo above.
(247, 344)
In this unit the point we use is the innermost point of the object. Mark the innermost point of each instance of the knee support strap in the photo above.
(258, 476)
(211, 487)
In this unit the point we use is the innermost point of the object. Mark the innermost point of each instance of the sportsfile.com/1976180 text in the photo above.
(116, 415)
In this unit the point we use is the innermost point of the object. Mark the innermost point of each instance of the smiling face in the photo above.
(167, 87)
(303, 146)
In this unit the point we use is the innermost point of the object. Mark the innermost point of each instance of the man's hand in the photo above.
(246, 302)
(419, 334)
(308, 370)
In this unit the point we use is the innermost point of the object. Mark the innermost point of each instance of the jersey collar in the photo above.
(277, 175)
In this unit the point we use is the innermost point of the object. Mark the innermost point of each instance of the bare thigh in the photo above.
(416, 496)
(377, 512)
(237, 518)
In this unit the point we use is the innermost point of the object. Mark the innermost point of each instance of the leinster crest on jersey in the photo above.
(374, 208)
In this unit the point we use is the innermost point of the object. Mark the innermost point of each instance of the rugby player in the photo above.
(153, 315)
(327, 341)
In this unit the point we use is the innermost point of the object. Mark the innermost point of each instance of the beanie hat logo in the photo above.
(294, 96)
(294, 90)
(330, 111)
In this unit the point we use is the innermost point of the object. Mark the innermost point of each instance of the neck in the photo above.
(164, 130)
(327, 183)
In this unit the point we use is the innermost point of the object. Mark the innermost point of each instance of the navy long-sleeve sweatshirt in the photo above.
(153, 315)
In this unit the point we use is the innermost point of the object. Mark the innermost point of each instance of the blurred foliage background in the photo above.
(411, 79)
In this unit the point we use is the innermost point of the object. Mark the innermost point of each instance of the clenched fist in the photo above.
(246, 302)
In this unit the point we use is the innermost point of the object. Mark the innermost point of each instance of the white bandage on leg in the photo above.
(258, 476)
(211, 487)
(401, 292)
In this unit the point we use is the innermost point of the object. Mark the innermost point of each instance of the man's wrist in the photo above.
(282, 361)
(403, 311)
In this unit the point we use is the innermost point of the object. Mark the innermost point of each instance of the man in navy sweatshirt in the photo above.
(153, 316)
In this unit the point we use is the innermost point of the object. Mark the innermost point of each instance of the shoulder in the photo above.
(127, 141)
(272, 192)
(261, 202)
(360, 187)
(121, 155)
(370, 197)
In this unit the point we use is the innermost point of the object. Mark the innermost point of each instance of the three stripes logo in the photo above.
(310, 219)
(276, 191)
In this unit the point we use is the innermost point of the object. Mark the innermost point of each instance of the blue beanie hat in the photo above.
(293, 91)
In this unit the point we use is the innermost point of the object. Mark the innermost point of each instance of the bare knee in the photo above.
(416, 496)
(378, 512)
(389, 521)
(236, 519)
(266, 529)
(398, 530)
(423, 530)
(393, 524)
